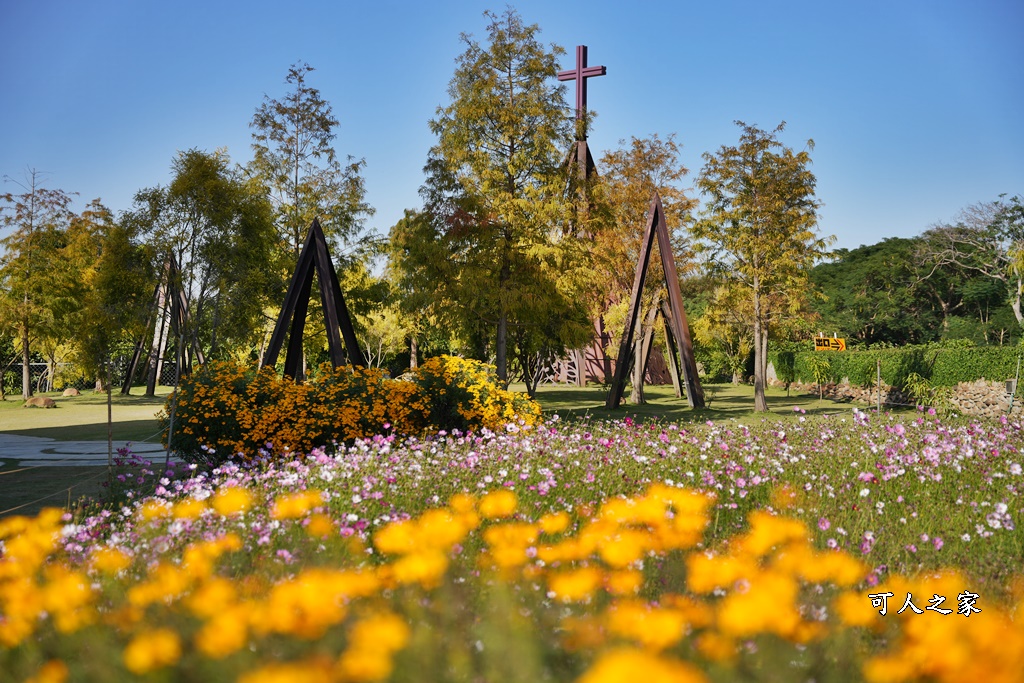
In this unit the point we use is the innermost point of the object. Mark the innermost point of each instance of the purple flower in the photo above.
(824, 524)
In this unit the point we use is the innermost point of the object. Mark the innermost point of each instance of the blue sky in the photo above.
(915, 106)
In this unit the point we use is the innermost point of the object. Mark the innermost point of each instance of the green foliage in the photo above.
(785, 366)
(821, 369)
(33, 289)
(296, 162)
(942, 365)
(872, 294)
(219, 230)
(759, 229)
(924, 393)
(495, 188)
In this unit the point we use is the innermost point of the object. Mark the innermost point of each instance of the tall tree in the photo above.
(875, 294)
(501, 141)
(219, 229)
(114, 309)
(759, 227)
(293, 142)
(630, 175)
(986, 238)
(39, 216)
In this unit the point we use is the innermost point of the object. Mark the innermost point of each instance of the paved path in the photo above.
(34, 451)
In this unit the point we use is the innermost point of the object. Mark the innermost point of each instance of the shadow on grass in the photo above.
(724, 402)
(27, 490)
(128, 430)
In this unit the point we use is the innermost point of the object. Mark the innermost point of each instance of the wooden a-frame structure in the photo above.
(314, 258)
(676, 327)
(170, 306)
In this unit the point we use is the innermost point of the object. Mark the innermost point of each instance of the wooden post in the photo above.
(670, 343)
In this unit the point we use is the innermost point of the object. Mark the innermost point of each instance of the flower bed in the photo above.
(583, 551)
(225, 410)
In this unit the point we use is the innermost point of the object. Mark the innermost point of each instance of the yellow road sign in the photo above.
(829, 344)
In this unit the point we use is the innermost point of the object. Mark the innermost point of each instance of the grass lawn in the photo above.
(85, 417)
(724, 401)
(26, 490)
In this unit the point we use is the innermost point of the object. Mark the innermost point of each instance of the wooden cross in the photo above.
(580, 74)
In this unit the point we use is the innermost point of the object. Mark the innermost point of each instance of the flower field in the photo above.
(854, 547)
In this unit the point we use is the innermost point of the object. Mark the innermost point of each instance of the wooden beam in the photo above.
(625, 344)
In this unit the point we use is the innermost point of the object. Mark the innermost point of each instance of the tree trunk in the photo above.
(760, 348)
(636, 395)
(26, 367)
(1015, 304)
(502, 347)
(110, 431)
(413, 353)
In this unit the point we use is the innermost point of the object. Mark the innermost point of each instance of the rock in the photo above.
(71, 391)
(40, 402)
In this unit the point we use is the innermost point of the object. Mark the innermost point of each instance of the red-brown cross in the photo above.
(580, 74)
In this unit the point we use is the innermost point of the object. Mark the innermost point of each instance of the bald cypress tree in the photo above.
(500, 145)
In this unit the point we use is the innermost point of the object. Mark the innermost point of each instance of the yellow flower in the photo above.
(320, 525)
(364, 665)
(509, 543)
(189, 508)
(152, 650)
(295, 505)
(225, 633)
(623, 548)
(654, 628)
(625, 665)
(425, 568)
(382, 631)
(397, 537)
(624, 582)
(575, 585)
(154, 509)
(372, 643)
(854, 609)
(231, 500)
(53, 671)
(716, 647)
(66, 595)
(110, 560)
(766, 604)
(768, 531)
(316, 671)
(496, 504)
(554, 523)
(213, 597)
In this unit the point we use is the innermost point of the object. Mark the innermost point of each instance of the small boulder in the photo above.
(71, 391)
(40, 402)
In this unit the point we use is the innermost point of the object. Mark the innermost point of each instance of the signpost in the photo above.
(829, 344)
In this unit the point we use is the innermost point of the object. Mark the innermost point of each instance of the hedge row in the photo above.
(941, 366)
